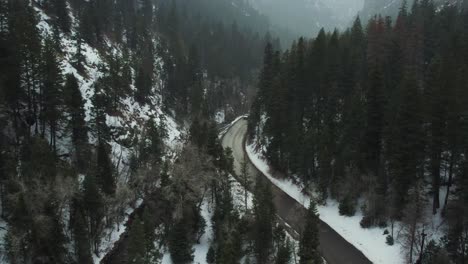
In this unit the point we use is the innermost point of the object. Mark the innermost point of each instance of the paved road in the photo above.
(335, 249)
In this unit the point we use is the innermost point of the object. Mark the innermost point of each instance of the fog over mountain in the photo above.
(307, 17)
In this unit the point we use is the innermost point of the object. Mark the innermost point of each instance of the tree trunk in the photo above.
(435, 164)
(449, 183)
(393, 227)
(2, 198)
(245, 198)
(413, 231)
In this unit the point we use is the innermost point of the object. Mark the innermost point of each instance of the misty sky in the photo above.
(307, 17)
(345, 7)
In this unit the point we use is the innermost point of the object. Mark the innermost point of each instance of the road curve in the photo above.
(335, 249)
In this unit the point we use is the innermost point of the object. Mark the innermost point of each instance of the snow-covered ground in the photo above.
(113, 234)
(201, 249)
(370, 241)
(238, 195)
(220, 117)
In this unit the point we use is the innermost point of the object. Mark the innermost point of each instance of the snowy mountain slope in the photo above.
(125, 125)
(392, 7)
(134, 114)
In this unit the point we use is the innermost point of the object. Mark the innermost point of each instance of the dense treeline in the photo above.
(199, 46)
(216, 44)
(377, 113)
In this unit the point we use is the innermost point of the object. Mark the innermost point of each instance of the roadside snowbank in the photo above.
(371, 242)
(226, 128)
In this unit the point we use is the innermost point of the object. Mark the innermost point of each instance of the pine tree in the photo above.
(54, 242)
(78, 58)
(156, 148)
(51, 96)
(137, 242)
(86, 29)
(309, 243)
(27, 57)
(375, 114)
(93, 204)
(149, 223)
(77, 124)
(98, 114)
(405, 144)
(264, 212)
(284, 253)
(195, 82)
(81, 234)
(63, 18)
(105, 170)
(265, 79)
(18, 238)
(145, 18)
(39, 162)
(179, 244)
(436, 117)
(165, 180)
(412, 221)
(143, 85)
(211, 255)
(245, 178)
(283, 246)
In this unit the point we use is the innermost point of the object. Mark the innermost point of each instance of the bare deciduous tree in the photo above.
(192, 174)
(413, 222)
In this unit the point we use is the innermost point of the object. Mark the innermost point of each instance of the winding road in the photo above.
(335, 249)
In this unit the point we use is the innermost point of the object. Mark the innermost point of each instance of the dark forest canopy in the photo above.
(379, 112)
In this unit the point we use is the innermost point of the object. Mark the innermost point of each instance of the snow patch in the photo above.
(220, 117)
(112, 235)
(201, 249)
(3, 232)
(238, 195)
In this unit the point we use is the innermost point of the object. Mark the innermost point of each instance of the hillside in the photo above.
(82, 124)
(392, 7)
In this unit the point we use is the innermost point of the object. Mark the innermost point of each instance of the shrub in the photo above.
(366, 222)
(347, 207)
(390, 240)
